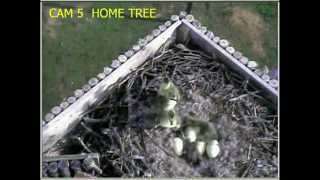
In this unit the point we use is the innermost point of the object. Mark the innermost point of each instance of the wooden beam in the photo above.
(211, 47)
(70, 117)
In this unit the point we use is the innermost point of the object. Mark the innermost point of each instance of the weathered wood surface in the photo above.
(69, 157)
(210, 47)
(70, 117)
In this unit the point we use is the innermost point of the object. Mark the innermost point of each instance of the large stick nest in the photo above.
(123, 129)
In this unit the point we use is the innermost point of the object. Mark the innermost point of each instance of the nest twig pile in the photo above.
(123, 129)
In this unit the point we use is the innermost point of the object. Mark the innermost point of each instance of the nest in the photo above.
(124, 128)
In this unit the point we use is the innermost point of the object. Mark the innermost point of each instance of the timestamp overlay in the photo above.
(103, 13)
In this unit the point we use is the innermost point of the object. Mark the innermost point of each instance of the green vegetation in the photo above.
(75, 50)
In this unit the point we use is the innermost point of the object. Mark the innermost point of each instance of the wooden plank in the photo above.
(70, 117)
(210, 47)
(69, 157)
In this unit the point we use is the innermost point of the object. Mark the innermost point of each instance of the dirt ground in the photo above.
(252, 25)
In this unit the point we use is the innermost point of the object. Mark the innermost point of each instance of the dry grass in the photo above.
(252, 26)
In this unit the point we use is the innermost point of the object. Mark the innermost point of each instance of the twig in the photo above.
(249, 152)
(83, 144)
